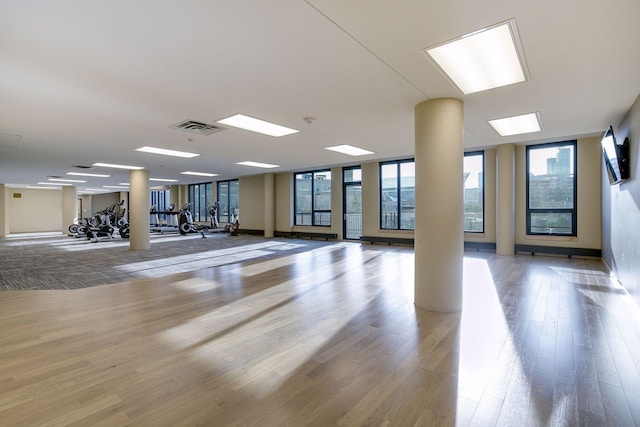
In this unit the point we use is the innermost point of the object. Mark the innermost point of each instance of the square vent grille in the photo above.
(200, 128)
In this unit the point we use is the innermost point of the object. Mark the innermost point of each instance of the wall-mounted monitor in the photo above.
(616, 157)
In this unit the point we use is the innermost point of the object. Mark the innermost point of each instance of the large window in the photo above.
(551, 189)
(398, 195)
(200, 197)
(474, 192)
(313, 198)
(160, 200)
(228, 199)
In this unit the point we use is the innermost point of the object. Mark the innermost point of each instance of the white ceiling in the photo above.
(91, 81)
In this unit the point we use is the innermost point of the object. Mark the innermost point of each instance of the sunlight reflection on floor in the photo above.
(485, 338)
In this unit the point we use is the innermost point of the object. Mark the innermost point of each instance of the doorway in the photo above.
(352, 202)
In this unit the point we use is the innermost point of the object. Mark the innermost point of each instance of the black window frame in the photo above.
(573, 211)
(194, 200)
(232, 212)
(398, 164)
(476, 153)
(313, 202)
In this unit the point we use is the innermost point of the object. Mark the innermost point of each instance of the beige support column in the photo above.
(505, 199)
(139, 203)
(174, 196)
(439, 225)
(4, 214)
(69, 207)
(269, 205)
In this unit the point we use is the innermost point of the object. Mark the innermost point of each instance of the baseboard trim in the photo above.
(388, 240)
(305, 234)
(480, 246)
(557, 250)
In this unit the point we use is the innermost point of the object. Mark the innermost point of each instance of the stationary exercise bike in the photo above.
(185, 222)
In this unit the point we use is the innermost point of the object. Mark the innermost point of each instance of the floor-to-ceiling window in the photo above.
(474, 192)
(200, 198)
(228, 200)
(352, 202)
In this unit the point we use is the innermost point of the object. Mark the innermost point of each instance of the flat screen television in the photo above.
(616, 157)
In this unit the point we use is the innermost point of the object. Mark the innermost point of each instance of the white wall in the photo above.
(621, 211)
(34, 211)
(284, 201)
(252, 202)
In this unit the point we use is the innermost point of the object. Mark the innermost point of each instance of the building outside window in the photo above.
(313, 198)
(229, 201)
(397, 195)
(474, 192)
(551, 189)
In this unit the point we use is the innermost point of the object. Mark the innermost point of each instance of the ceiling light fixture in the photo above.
(256, 125)
(165, 152)
(257, 164)
(349, 149)
(199, 173)
(115, 166)
(485, 59)
(516, 125)
(57, 184)
(66, 180)
(116, 187)
(163, 180)
(95, 175)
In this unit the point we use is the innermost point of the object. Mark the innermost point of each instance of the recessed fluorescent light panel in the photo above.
(120, 187)
(258, 165)
(57, 184)
(199, 173)
(163, 180)
(35, 187)
(165, 152)
(516, 125)
(65, 180)
(94, 175)
(349, 149)
(485, 59)
(115, 166)
(256, 125)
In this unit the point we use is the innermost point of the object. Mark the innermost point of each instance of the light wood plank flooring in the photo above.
(325, 337)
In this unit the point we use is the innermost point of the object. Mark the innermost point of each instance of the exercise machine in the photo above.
(186, 224)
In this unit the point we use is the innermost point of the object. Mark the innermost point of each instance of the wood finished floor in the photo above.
(326, 337)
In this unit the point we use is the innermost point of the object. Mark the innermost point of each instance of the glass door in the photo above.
(352, 203)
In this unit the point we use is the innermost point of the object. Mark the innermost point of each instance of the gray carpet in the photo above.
(56, 261)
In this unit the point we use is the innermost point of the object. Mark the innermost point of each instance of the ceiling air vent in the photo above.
(197, 127)
(81, 167)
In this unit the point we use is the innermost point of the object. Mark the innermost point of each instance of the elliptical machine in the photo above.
(213, 215)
